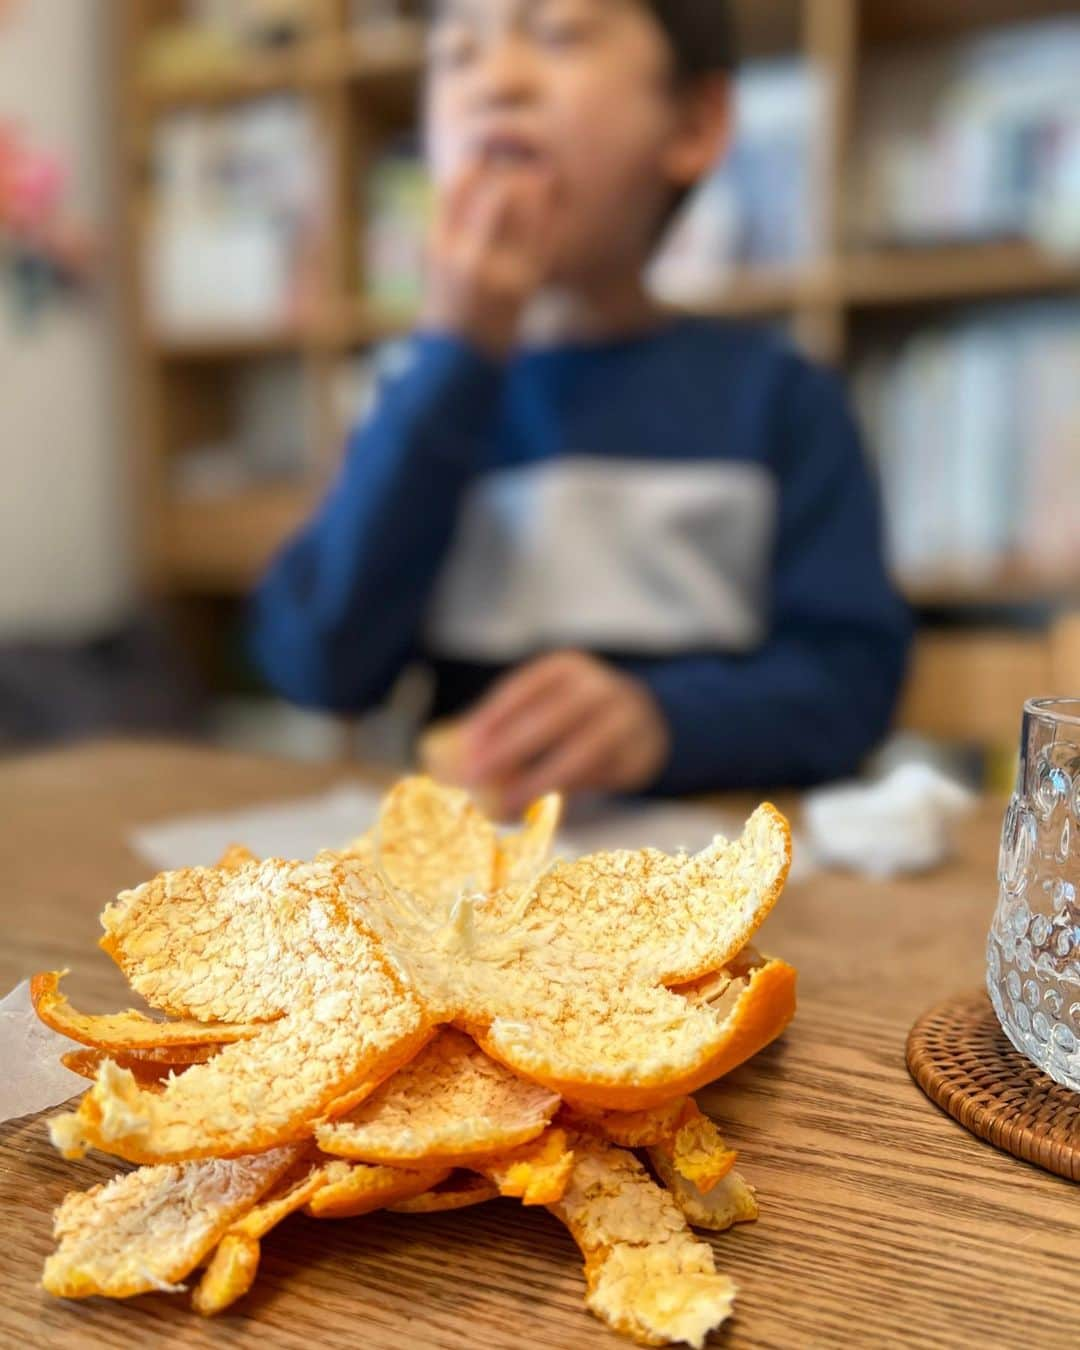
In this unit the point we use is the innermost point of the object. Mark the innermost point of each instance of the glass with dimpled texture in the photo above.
(1033, 951)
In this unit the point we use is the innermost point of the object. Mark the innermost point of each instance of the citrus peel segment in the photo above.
(698, 1151)
(627, 1129)
(231, 1270)
(537, 1173)
(349, 1021)
(648, 1276)
(460, 1190)
(450, 1105)
(146, 1072)
(729, 1202)
(235, 857)
(434, 842)
(148, 1229)
(129, 1030)
(625, 1047)
(521, 855)
(365, 1189)
(669, 919)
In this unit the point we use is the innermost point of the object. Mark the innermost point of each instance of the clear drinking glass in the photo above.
(1033, 952)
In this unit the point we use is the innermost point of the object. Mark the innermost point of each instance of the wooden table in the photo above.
(883, 1223)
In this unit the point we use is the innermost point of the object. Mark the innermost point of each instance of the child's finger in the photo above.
(512, 694)
(534, 732)
(484, 222)
(460, 193)
(456, 203)
(544, 220)
(581, 761)
(525, 218)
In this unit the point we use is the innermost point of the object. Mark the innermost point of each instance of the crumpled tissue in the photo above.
(31, 1075)
(903, 823)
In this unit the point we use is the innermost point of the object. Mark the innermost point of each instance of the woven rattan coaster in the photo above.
(962, 1060)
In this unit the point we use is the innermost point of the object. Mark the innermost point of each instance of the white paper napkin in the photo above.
(31, 1075)
(902, 823)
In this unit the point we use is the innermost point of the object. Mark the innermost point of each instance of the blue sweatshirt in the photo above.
(692, 504)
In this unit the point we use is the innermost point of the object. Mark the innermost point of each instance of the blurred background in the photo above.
(211, 223)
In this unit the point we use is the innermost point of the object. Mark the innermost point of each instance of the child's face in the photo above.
(581, 91)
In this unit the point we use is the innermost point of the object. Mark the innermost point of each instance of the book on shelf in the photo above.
(236, 219)
(761, 206)
(270, 440)
(396, 209)
(976, 428)
(387, 27)
(970, 140)
(209, 38)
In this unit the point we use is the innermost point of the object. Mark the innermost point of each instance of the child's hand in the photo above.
(489, 252)
(567, 723)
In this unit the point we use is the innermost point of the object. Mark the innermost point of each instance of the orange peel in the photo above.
(148, 1229)
(678, 1129)
(346, 1017)
(537, 1173)
(431, 841)
(627, 1129)
(235, 857)
(521, 855)
(428, 1000)
(698, 1151)
(560, 981)
(147, 1068)
(314, 994)
(231, 1270)
(729, 1202)
(365, 1189)
(449, 1105)
(357, 973)
(125, 1031)
(648, 1276)
(229, 1275)
(670, 919)
(460, 1190)
(628, 1048)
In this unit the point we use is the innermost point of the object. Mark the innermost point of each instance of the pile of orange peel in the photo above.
(428, 1018)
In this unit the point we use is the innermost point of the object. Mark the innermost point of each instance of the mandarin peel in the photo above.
(451, 1104)
(148, 1229)
(365, 1189)
(648, 1276)
(460, 1190)
(698, 1151)
(231, 1270)
(729, 1202)
(536, 1173)
(314, 994)
(603, 1038)
(126, 1031)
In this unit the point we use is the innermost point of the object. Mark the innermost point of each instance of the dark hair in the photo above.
(701, 34)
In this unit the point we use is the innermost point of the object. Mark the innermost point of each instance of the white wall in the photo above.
(64, 536)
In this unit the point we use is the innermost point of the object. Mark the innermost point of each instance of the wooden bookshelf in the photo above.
(222, 545)
(957, 273)
(361, 95)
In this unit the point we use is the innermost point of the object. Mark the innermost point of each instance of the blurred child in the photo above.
(640, 552)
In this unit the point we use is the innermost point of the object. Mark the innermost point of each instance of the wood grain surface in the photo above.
(883, 1222)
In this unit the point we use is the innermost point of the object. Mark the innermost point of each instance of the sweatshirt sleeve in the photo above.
(338, 612)
(808, 704)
